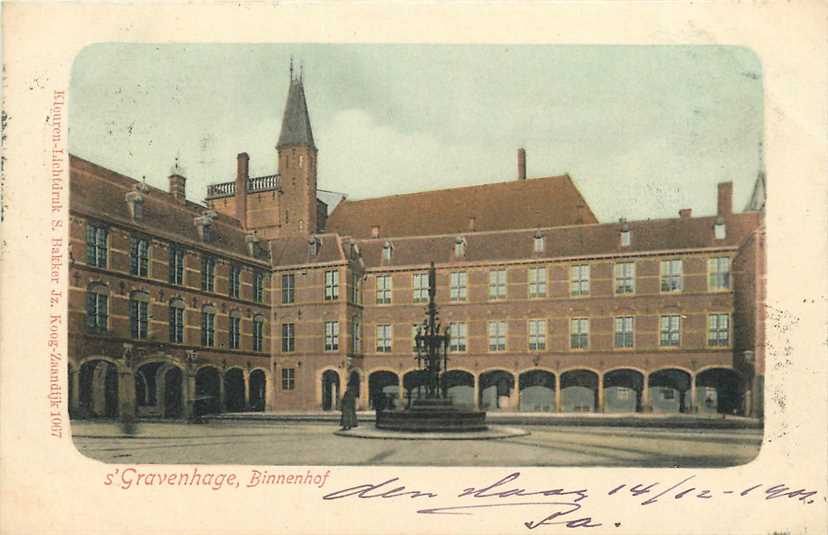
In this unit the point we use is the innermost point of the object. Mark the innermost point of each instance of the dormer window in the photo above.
(387, 252)
(719, 229)
(135, 203)
(313, 246)
(625, 234)
(539, 243)
(203, 223)
(460, 246)
(252, 241)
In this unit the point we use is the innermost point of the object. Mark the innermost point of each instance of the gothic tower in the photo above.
(297, 164)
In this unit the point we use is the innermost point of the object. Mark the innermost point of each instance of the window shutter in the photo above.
(133, 256)
(103, 310)
(133, 318)
(91, 320)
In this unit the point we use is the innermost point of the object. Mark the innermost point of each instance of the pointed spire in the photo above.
(296, 126)
(759, 194)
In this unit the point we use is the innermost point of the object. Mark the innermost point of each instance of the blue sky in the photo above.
(643, 130)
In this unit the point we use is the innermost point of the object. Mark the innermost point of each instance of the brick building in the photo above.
(548, 309)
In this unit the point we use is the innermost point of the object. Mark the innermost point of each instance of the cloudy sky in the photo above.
(643, 131)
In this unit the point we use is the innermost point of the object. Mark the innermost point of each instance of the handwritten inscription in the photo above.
(566, 504)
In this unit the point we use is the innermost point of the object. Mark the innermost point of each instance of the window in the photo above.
(139, 257)
(460, 246)
(258, 286)
(356, 336)
(208, 326)
(670, 331)
(718, 330)
(288, 378)
(457, 286)
(579, 280)
(579, 333)
(383, 338)
(537, 281)
(671, 275)
(457, 337)
(625, 237)
(420, 287)
(97, 308)
(139, 315)
(539, 244)
(331, 336)
(96, 245)
(288, 337)
(208, 274)
(356, 289)
(331, 285)
(387, 251)
(624, 331)
(235, 281)
(719, 229)
(313, 243)
(718, 270)
(234, 332)
(497, 284)
(537, 335)
(624, 278)
(176, 265)
(288, 288)
(497, 336)
(258, 333)
(383, 289)
(177, 321)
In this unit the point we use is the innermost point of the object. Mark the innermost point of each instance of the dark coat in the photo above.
(349, 417)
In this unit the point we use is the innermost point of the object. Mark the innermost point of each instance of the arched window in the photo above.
(139, 314)
(97, 307)
(208, 326)
(177, 321)
(387, 251)
(234, 331)
(460, 246)
(719, 229)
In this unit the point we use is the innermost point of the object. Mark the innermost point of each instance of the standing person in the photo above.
(349, 417)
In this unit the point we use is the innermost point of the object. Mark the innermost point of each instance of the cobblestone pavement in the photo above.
(316, 444)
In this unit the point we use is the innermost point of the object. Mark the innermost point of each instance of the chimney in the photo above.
(725, 205)
(178, 188)
(685, 213)
(521, 163)
(242, 175)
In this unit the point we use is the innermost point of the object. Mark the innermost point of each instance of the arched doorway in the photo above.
(537, 391)
(622, 390)
(579, 391)
(719, 390)
(496, 388)
(147, 389)
(330, 390)
(414, 383)
(460, 387)
(669, 390)
(258, 389)
(173, 389)
(386, 384)
(98, 389)
(234, 390)
(208, 391)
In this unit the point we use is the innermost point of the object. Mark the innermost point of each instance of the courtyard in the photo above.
(314, 443)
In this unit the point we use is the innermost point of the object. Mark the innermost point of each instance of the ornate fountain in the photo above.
(433, 411)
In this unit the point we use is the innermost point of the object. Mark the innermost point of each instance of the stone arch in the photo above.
(537, 390)
(331, 386)
(258, 383)
(460, 386)
(495, 389)
(669, 390)
(579, 390)
(414, 383)
(234, 398)
(383, 388)
(172, 382)
(98, 387)
(623, 390)
(207, 390)
(719, 389)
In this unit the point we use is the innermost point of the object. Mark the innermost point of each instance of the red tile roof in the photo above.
(518, 204)
(296, 250)
(99, 191)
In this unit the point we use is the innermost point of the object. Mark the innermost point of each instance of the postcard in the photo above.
(298, 268)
